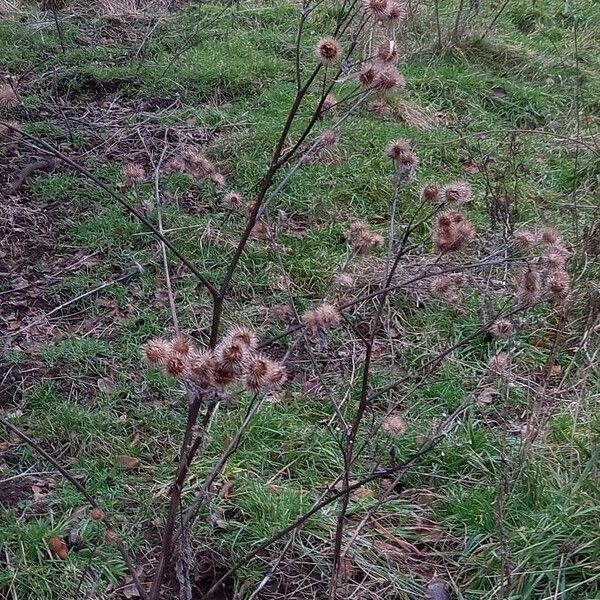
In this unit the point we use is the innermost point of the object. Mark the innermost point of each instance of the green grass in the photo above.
(93, 401)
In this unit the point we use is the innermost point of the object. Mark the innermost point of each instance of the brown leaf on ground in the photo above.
(58, 547)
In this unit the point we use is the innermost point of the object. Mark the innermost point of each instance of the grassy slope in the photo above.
(288, 454)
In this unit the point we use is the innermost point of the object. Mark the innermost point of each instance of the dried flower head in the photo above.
(362, 239)
(394, 425)
(430, 193)
(328, 138)
(448, 287)
(388, 79)
(379, 107)
(458, 192)
(261, 230)
(452, 232)
(343, 281)
(558, 285)
(174, 364)
(197, 165)
(367, 75)
(222, 376)
(321, 317)
(554, 259)
(133, 173)
(529, 287)
(199, 368)
(8, 97)
(233, 199)
(174, 165)
(377, 8)
(549, 236)
(264, 374)
(181, 344)
(231, 355)
(328, 50)
(396, 12)
(502, 328)
(156, 351)
(397, 148)
(524, 239)
(387, 52)
(244, 336)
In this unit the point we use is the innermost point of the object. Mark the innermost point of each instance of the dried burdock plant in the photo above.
(361, 239)
(133, 173)
(328, 50)
(233, 200)
(451, 232)
(457, 192)
(377, 8)
(321, 317)
(387, 52)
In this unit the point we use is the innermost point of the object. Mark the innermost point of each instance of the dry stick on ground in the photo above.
(401, 468)
(39, 144)
(91, 500)
(25, 172)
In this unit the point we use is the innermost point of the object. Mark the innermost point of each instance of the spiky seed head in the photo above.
(524, 239)
(377, 7)
(181, 344)
(549, 236)
(389, 79)
(328, 138)
(394, 425)
(440, 285)
(275, 377)
(244, 336)
(321, 317)
(8, 97)
(529, 287)
(500, 362)
(430, 193)
(387, 52)
(133, 173)
(156, 351)
(502, 328)
(458, 192)
(558, 284)
(233, 199)
(199, 369)
(328, 50)
(96, 514)
(396, 12)
(367, 76)
(451, 232)
(397, 149)
(175, 364)
(174, 165)
(223, 376)
(379, 107)
(256, 371)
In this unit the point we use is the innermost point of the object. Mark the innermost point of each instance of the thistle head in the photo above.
(457, 192)
(377, 8)
(367, 75)
(529, 287)
(233, 199)
(388, 79)
(133, 173)
(343, 281)
(524, 239)
(321, 317)
(328, 50)
(394, 425)
(244, 336)
(396, 13)
(155, 352)
(451, 232)
(502, 328)
(328, 138)
(263, 374)
(199, 368)
(430, 193)
(549, 236)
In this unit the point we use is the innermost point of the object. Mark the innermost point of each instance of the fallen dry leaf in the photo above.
(58, 547)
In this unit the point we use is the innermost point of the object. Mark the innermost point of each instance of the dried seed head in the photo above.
(343, 281)
(8, 97)
(111, 537)
(156, 351)
(398, 148)
(379, 107)
(367, 75)
(133, 173)
(389, 79)
(175, 364)
(261, 230)
(361, 239)
(199, 368)
(264, 374)
(554, 259)
(223, 376)
(233, 199)
(328, 50)
(181, 344)
(430, 193)
(396, 12)
(524, 239)
(244, 336)
(502, 328)
(394, 425)
(529, 288)
(387, 52)
(442, 284)
(457, 192)
(328, 138)
(549, 236)
(231, 354)
(174, 165)
(452, 232)
(558, 285)
(197, 165)
(321, 317)
(378, 8)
